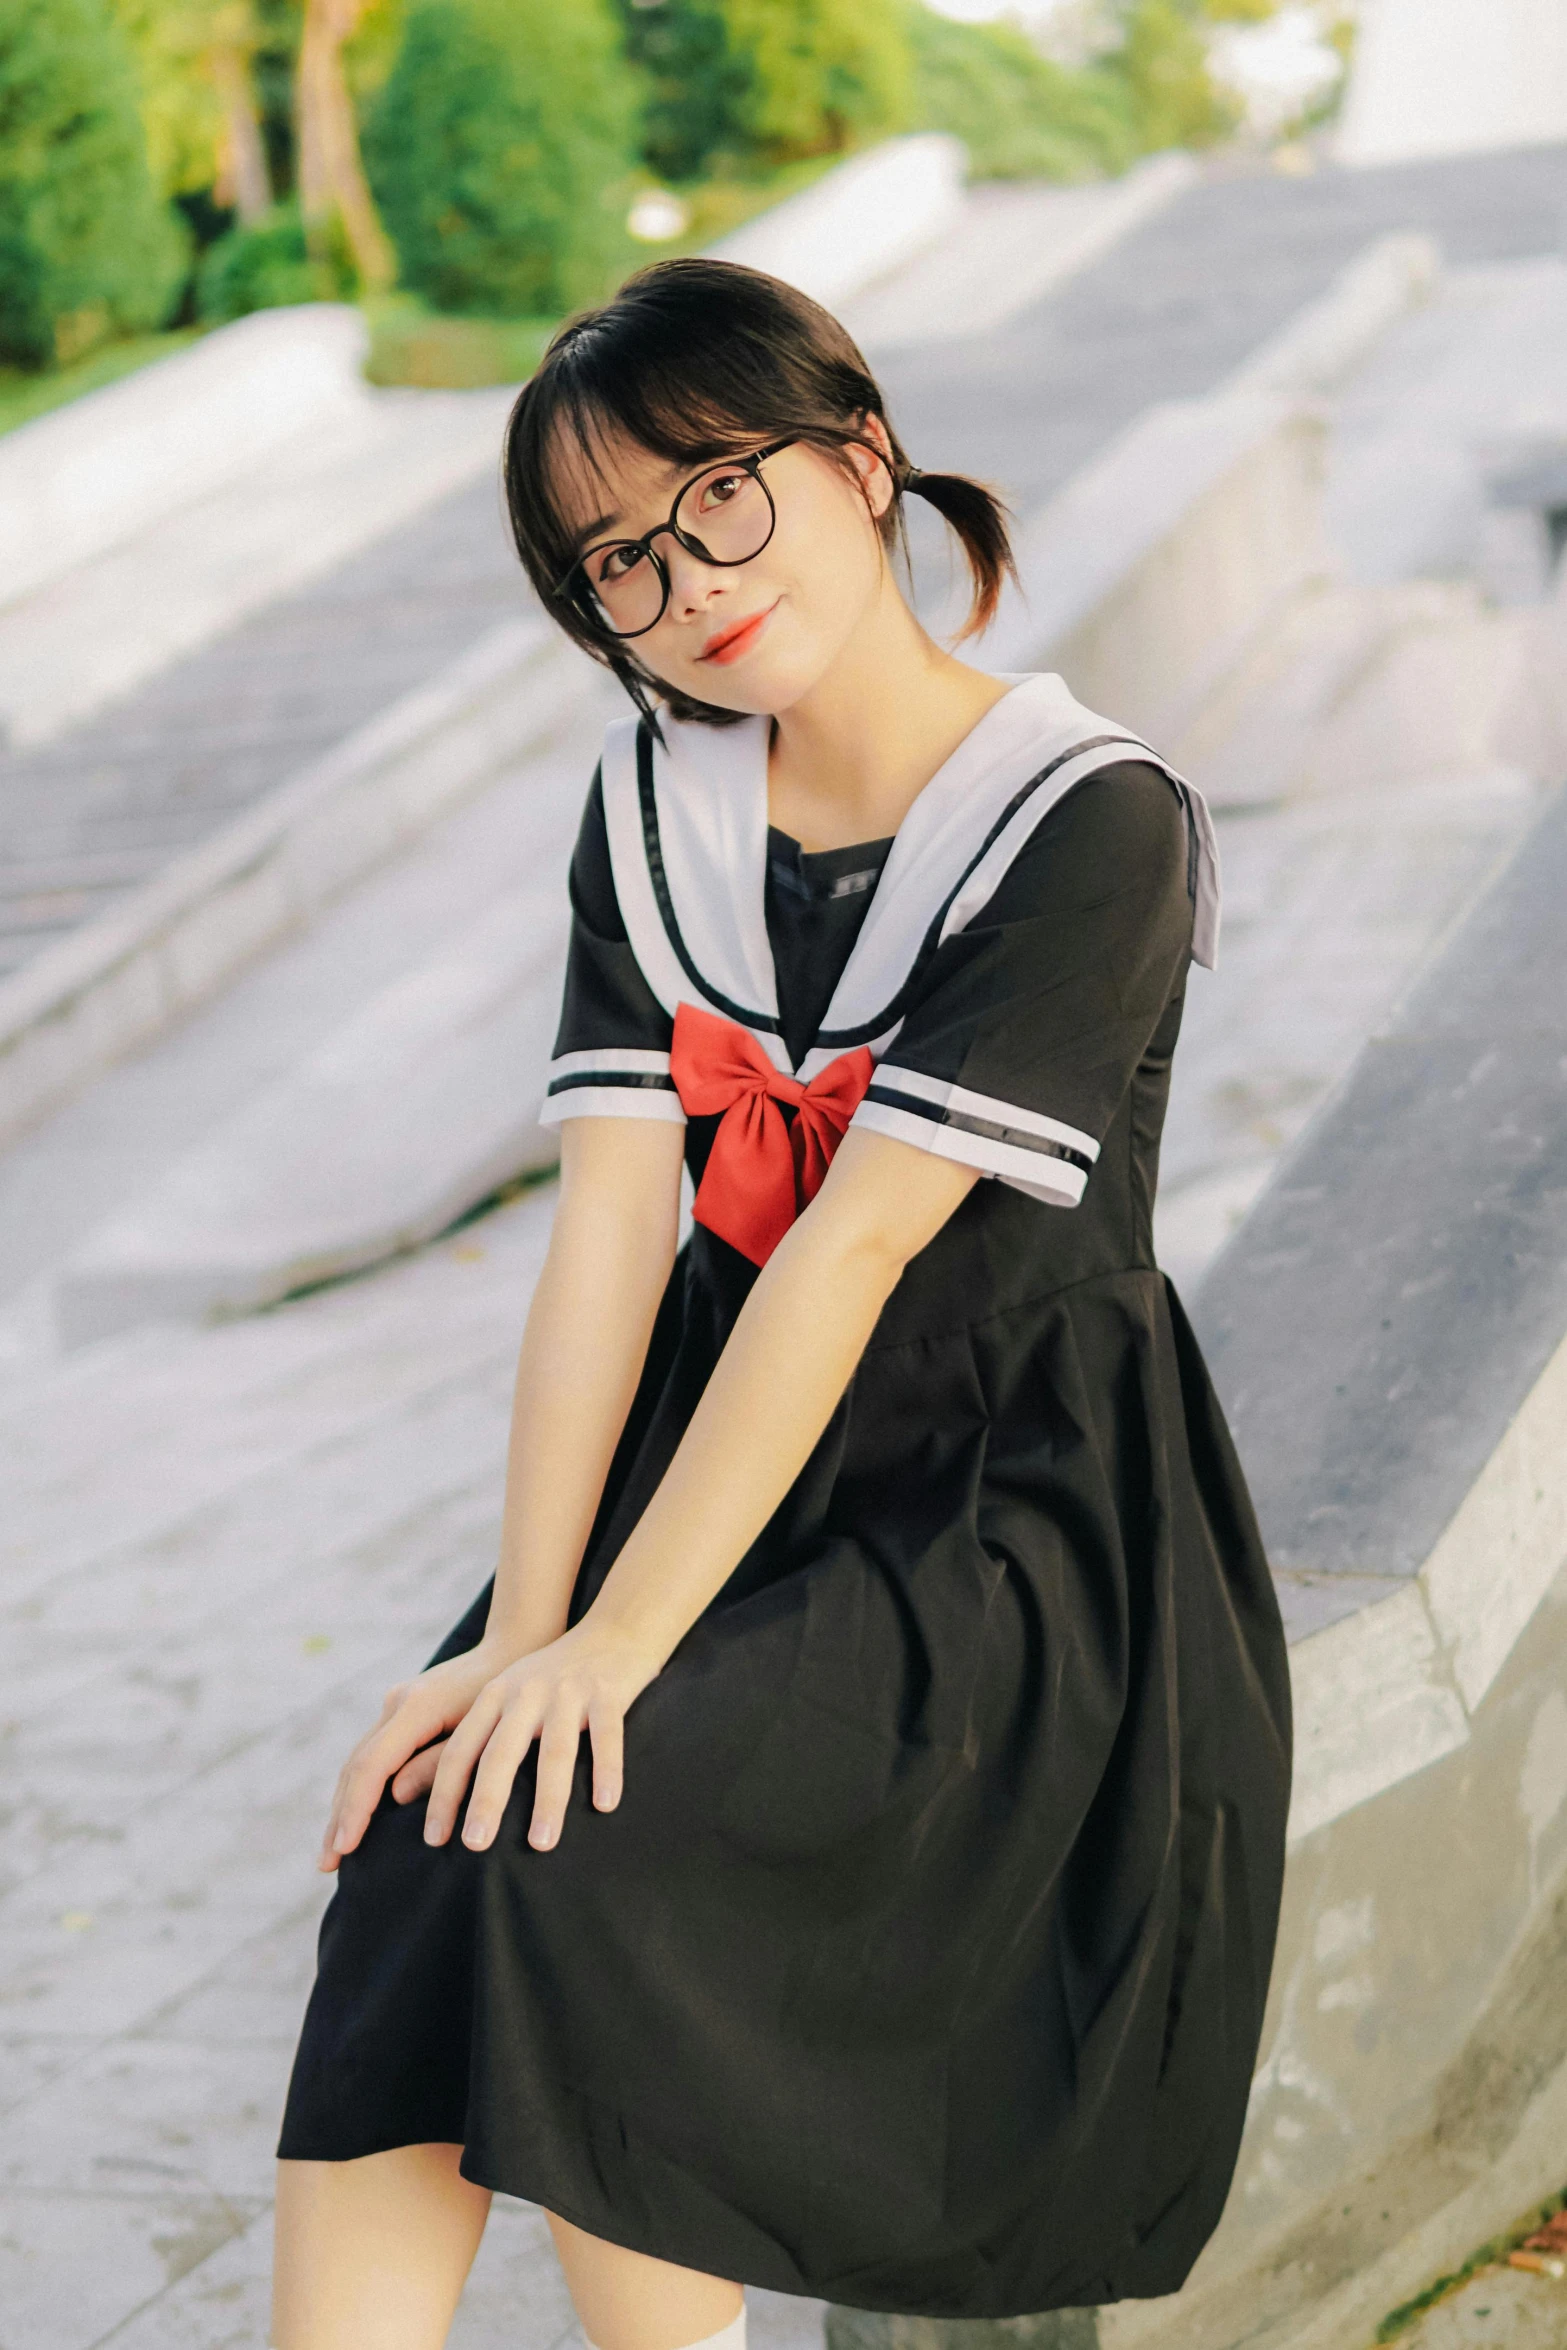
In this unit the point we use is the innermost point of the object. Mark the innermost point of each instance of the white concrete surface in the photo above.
(1472, 379)
(425, 1101)
(866, 218)
(78, 481)
(1159, 565)
(1324, 342)
(169, 945)
(1499, 2308)
(1380, 748)
(290, 513)
(1449, 77)
(118, 1141)
(1010, 245)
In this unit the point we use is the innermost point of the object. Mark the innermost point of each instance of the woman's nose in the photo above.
(692, 583)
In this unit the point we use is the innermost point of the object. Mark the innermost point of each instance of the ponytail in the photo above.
(978, 520)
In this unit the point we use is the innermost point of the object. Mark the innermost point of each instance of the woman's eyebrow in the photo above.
(672, 473)
(590, 530)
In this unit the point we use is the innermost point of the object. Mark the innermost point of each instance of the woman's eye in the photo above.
(615, 562)
(719, 488)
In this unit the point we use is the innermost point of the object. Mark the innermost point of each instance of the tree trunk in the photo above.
(330, 174)
(243, 181)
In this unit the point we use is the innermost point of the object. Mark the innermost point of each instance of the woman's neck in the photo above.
(849, 759)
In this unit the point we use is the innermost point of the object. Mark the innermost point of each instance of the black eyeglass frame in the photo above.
(752, 465)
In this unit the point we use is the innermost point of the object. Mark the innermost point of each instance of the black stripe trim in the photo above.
(986, 1128)
(653, 849)
(840, 1038)
(633, 1077)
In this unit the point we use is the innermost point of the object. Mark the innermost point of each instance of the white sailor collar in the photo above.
(687, 825)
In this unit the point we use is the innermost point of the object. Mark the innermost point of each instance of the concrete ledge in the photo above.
(77, 482)
(1323, 342)
(301, 509)
(169, 945)
(1012, 244)
(1151, 574)
(424, 1102)
(859, 223)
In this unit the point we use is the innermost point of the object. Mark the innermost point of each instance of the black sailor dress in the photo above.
(922, 1965)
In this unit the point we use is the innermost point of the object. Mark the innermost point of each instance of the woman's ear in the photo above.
(874, 464)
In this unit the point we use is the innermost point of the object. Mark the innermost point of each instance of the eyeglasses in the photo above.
(724, 515)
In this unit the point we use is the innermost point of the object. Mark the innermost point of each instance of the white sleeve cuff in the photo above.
(611, 1082)
(1044, 1157)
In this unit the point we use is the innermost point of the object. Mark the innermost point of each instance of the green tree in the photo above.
(86, 244)
(1159, 76)
(198, 99)
(824, 75)
(697, 86)
(1021, 115)
(499, 153)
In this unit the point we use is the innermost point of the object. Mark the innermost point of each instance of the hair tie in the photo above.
(913, 478)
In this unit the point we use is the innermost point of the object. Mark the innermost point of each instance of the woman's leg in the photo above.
(373, 2255)
(629, 2301)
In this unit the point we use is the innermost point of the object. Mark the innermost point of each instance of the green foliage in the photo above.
(267, 266)
(409, 345)
(697, 86)
(86, 246)
(823, 75)
(500, 151)
(277, 26)
(1160, 81)
(180, 109)
(1020, 115)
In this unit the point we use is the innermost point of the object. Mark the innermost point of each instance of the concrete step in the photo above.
(426, 1102)
(1008, 247)
(162, 949)
(288, 512)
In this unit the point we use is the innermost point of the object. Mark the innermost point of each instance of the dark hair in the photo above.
(691, 360)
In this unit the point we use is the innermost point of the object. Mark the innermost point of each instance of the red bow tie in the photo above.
(762, 1169)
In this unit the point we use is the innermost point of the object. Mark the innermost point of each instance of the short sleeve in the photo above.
(1026, 1027)
(611, 1055)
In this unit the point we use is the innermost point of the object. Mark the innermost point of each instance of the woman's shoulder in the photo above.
(1125, 826)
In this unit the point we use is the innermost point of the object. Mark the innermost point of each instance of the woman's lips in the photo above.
(730, 643)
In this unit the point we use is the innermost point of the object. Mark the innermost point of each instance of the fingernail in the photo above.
(477, 1837)
(541, 1838)
(340, 1840)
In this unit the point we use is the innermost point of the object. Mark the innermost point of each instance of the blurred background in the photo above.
(1256, 313)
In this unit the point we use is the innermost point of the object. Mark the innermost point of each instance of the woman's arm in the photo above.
(788, 1360)
(583, 1347)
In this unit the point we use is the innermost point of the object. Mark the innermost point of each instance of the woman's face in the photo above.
(751, 636)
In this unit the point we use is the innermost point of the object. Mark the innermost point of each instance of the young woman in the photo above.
(841, 1852)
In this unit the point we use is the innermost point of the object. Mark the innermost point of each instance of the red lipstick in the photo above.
(730, 643)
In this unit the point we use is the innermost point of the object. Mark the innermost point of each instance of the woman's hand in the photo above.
(486, 1708)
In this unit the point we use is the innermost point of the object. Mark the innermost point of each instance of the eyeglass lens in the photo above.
(724, 516)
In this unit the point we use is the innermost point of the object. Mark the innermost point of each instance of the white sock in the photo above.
(729, 2337)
